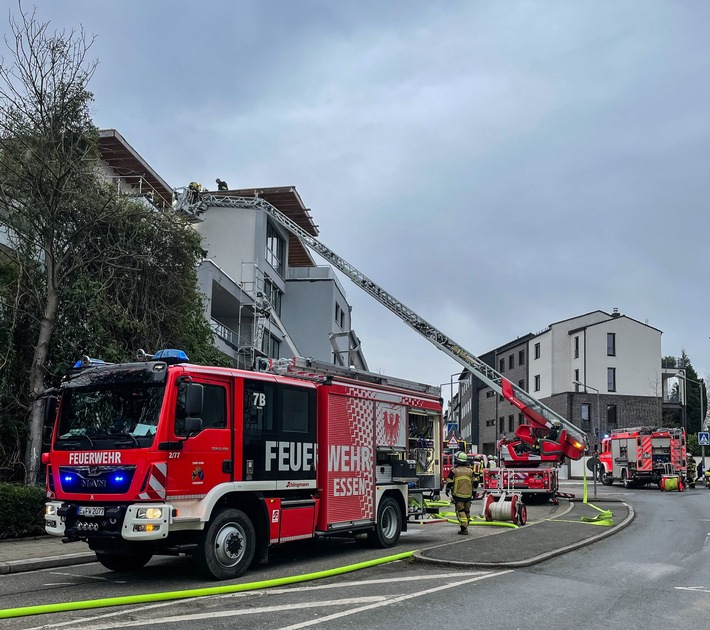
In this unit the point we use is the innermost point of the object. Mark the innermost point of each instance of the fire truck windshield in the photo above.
(123, 415)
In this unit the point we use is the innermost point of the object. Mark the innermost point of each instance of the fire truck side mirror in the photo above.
(50, 415)
(194, 397)
(193, 426)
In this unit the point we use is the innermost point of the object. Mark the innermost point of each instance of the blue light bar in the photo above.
(171, 356)
(85, 362)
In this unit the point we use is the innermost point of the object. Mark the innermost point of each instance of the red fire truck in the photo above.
(641, 455)
(164, 457)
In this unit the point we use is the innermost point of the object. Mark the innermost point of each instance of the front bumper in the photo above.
(134, 522)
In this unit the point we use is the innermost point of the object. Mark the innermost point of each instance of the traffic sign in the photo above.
(453, 442)
(704, 438)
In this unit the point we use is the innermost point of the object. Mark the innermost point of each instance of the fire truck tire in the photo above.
(607, 479)
(125, 561)
(625, 480)
(388, 526)
(227, 545)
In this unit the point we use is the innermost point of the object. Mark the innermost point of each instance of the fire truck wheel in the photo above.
(607, 479)
(388, 526)
(124, 562)
(625, 480)
(227, 545)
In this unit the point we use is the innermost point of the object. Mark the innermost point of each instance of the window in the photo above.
(521, 419)
(337, 313)
(611, 379)
(537, 382)
(214, 409)
(521, 357)
(511, 423)
(611, 416)
(501, 365)
(270, 346)
(576, 347)
(275, 248)
(585, 412)
(490, 393)
(511, 361)
(273, 295)
(295, 410)
(521, 383)
(611, 344)
(537, 350)
(576, 376)
(490, 423)
(501, 425)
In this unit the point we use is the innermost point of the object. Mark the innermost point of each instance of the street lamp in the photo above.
(598, 429)
(703, 426)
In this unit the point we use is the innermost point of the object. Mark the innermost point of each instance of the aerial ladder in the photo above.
(569, 441)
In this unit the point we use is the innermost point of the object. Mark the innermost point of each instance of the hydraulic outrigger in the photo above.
(572, 442)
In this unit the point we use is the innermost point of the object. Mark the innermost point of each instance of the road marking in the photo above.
(271, 591)
(233, 613)
(695, 589)
(394, 600)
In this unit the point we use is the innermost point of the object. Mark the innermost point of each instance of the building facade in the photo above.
(599, 370)
(264, 295)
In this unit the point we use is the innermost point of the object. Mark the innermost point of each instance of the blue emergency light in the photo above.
(171, 355)
(85, 362)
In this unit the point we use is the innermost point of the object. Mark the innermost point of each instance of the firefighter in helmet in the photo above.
(460, 485)
(691, 471)
(554, 431)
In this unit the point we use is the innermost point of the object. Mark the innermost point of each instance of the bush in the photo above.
(21, 510)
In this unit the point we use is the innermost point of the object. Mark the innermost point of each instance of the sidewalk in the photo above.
(41, 552)
(551, 530)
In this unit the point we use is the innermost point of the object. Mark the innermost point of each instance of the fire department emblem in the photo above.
(391, 423)
(198, 474)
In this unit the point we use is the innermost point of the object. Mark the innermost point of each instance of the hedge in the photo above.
(21, 510)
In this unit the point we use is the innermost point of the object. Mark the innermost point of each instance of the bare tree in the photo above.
(50, 192)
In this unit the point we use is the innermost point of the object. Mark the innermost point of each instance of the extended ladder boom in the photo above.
(535, 411)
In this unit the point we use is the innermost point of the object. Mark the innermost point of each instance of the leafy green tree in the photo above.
(83, 270)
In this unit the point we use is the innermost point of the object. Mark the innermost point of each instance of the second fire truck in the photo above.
(642, 455)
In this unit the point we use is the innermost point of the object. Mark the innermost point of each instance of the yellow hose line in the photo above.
(605, 517)
(477, 520)
(198, 592)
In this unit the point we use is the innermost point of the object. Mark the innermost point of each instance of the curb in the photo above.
(418, 557)
(50, 562)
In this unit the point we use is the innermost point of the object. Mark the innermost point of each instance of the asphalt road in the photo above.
(653, 574)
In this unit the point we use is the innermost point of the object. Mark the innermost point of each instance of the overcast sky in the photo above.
(497, 166)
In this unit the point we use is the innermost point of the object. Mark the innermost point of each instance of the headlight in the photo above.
(149, 513)
(50, 509)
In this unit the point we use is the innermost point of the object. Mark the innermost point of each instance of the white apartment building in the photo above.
(599, 370)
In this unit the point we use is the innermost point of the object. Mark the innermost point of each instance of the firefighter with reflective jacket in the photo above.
(691, 471)
(460, 484)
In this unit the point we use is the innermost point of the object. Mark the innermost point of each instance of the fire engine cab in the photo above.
(641, 455)
(161, 456)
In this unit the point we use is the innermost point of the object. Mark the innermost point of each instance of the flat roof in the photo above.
(127, 163)
(287, 200)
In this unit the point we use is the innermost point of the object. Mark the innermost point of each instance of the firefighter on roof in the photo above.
(460, 484)
(221, 184)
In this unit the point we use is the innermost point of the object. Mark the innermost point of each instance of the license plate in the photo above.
(90, 510)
